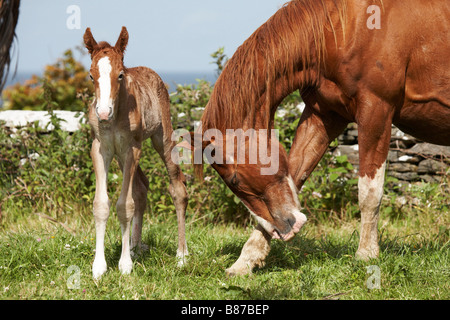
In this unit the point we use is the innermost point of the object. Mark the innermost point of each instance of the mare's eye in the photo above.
(121, 76)
(90, 76)
(234, 180)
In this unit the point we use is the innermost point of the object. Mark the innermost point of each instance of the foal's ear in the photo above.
(122, 42)
(89, 41)
(193, 141)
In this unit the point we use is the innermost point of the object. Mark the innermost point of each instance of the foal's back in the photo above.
(147, 98)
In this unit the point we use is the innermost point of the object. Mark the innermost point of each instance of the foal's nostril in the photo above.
(104, 115)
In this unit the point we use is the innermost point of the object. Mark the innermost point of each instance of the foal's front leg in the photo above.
(101, 159)
(127, 205)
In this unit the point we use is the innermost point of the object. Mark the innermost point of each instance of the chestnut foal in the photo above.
(130, 105)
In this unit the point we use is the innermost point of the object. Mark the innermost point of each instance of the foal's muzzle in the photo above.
(104, 115)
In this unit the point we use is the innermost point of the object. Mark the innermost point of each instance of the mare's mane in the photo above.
(292, 39)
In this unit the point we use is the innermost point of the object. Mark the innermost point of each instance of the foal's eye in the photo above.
(90, 76)
(121, 76)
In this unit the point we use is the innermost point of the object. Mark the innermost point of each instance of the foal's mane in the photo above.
(104, 46)
(291, 40)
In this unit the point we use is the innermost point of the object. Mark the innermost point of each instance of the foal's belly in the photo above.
(428, 121)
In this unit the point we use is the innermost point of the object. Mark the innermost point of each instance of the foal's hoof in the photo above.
(181, 258)
(98, 269)
(237, 271)
(125, 266)
(138, 250)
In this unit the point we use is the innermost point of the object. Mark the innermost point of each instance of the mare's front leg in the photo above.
(314, 134)
(128, 203)
(253, 253)
(101, 159)
(374, 120)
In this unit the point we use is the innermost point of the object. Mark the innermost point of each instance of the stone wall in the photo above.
(409, 159)
(18, 118)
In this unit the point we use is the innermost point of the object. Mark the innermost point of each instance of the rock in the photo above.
(409, 159)
(432, 166)
(407, 176)
(392, 156)
(353, 133)
(402, 167)
(429, 178)
(398, 156)
(430, 150)
(402, 138)
(347, 139)
(351, 152)
(20, 118)
(401, 144)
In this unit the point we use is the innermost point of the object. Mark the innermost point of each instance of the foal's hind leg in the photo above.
(140, 190)
(128, 204)
(177, 191)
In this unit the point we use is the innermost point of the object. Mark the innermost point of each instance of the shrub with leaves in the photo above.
(64, 80)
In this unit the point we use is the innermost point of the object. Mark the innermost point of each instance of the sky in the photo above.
(167, 36)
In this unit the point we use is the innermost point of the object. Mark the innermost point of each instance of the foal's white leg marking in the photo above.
(104, 103)
(126, 206)
(370, 193)
(181, 255)
(101, 206)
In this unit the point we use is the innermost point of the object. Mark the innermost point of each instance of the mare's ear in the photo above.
(89, 41)
(122, 42)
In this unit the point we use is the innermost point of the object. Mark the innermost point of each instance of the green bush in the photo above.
(62, 82)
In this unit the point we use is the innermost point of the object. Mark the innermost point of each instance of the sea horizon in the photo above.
(171, 78)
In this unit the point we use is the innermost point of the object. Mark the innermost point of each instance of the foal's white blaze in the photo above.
(104, 103)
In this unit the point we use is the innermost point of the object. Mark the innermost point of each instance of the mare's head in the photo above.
(107, 72)
(255, 167)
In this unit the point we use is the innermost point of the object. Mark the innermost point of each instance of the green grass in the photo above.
(39, 259)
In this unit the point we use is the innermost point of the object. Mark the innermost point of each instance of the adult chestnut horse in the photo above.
(130, 105)
(376, 63)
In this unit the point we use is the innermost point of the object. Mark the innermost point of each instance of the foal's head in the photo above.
(107, 72)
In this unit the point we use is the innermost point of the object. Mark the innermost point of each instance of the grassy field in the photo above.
(44, 259)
